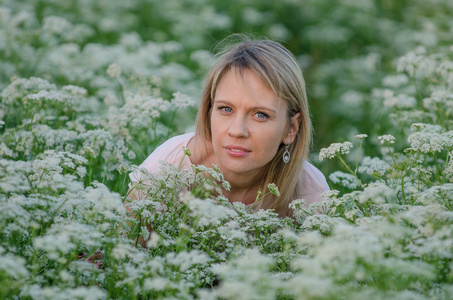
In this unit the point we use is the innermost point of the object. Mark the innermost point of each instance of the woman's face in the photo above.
(248, 124)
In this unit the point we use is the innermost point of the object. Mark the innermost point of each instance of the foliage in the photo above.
(90, 88)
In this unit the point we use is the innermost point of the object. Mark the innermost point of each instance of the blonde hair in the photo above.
(276, 67)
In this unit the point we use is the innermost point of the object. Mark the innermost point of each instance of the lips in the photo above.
(236, 151)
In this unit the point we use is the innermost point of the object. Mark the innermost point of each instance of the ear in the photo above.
(293, 129)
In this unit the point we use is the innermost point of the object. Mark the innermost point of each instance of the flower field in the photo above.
(89, 88)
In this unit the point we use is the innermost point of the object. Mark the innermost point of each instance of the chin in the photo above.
(240, 167)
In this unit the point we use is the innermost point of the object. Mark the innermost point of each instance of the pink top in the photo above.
(313, 181)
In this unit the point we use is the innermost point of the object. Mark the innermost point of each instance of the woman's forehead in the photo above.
(235, 83)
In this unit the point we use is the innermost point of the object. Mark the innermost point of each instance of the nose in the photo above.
(238, 127)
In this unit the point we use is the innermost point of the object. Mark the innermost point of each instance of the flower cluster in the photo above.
(388, 138)
(334, 150)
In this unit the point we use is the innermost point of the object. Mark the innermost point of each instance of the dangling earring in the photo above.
(286, 155)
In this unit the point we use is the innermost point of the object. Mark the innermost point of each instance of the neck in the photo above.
(246, 195)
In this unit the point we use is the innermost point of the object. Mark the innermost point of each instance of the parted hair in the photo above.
(277, 67)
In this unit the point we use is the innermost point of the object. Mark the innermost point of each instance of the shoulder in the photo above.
(170, 151)
(313, 183)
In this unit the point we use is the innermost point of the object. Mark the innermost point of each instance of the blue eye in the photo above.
(262, 115)
(225, 109)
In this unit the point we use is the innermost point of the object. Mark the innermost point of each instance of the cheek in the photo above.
(215, 132)
(270, 144)
(275, 140)
(218, 124)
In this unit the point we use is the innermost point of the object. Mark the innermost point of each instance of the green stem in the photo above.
(350, 171)
(137, 235)
(438, 170)
(90, 173)
(392, 155)
(427, 179)
(123, 100)
(447, 159)
(128, 192)
(416, 85)
(358, 157)
(410, 167)
(405, 174)
(402, 190)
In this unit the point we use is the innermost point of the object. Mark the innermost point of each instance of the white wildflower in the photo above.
(447, 139)
(5, 151)
(438, 194)
(417, 64)
(58, 25)
(312, 287)
(345, 179)
(352, 98)
(439, 100)
(12, 266)
(427, 138)
(47, 95)
(421, 126)
(246, 277)
(208, 212)
(297, 204)
(330, 195)
(114, 71)
(153, 241)
(253, 16)
(102, 202)
(449, 168)
(374, 166)
(377, 194)
(111, 101)
(203, 57)
(131, 40)
(232, 231)
(131, 154)
(394, 81)
(334, 150)
(75, 90)
(300, 210)
(181, 101)
(36, 291)
(386, 138)
(399, 101)
(323, 223)
(273, 189)
(279, 32)
(187, 260)
(351, 214)
(361, 136)
(185, 197)
(61, 239)
(157, 284)
(14, 176)
(20, 87)
(122, 251)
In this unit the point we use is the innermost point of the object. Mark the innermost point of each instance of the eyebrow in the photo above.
(254, 107)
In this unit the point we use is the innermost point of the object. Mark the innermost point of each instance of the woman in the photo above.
(253, 122)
